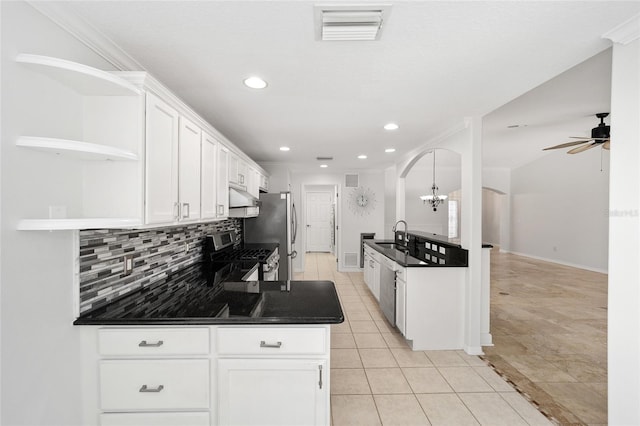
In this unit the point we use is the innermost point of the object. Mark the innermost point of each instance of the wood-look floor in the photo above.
(549, 327)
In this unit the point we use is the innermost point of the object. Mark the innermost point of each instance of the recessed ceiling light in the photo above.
(255, 83)
(390, 150)
(324, 166)
(391, 126)
(362, 157)
(284, 148)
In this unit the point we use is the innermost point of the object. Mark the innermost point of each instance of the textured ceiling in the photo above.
(436, 62)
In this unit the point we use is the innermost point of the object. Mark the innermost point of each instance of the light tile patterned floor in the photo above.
(377, 380)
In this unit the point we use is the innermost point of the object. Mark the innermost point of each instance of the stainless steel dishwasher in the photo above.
(388, 289)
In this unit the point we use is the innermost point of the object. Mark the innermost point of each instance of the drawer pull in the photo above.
(145, 344)
(146, 389)
(276, 345)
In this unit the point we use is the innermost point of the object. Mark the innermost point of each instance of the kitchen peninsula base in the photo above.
(206, 375)
(430, 307)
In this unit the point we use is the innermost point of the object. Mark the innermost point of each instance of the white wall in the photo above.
(624, 234)
(420, 216)
(559, 209)
(389, 203)
(279, 177)
(491, 216)
(351, 225)
(40, 347)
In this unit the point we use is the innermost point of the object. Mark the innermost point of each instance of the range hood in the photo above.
(241, 198)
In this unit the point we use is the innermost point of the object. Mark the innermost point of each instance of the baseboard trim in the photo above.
(559, 262)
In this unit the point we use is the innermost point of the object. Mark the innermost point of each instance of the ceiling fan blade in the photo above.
(584, 138)
(583, 148)
(564, 145)
(607, 145)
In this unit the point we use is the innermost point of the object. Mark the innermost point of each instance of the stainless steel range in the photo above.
(224, 248)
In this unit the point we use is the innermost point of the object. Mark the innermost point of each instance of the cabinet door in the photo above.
(272, 392)
(208, 184)
(401, 305)
(367, 274)
(222, 183)
(234, 169)
(375, 278)
(243, 172)
(189, 170)
(161, 190)
(253, 182)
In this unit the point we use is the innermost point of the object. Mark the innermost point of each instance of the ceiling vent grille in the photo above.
(350, 23)
(351, 181)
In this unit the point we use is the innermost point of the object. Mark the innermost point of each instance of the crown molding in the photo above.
(62, 14)
(626, 32)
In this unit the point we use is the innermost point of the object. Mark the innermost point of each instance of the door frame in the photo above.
(337, 195)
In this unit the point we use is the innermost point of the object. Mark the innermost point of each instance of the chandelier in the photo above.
(434, 199)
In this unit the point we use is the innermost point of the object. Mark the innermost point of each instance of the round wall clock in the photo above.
(362, 200)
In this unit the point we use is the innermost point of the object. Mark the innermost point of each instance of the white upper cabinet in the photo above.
(264, 183)
(162, 161)
(189, 156)
(208, 188)
(116, 150)
(222, 183)
(253, 182)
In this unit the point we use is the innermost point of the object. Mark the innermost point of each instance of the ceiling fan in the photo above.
(599, 137)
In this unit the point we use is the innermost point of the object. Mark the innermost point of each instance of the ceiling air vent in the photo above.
(350, 23)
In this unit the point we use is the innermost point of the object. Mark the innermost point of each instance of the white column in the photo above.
(472, 233)
(624, 227)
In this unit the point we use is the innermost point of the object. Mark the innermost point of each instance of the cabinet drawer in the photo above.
(154, 419)
(154, 384)
(153, 341)
(271, 341)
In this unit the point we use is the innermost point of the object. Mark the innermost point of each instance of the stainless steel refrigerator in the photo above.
(276, 223)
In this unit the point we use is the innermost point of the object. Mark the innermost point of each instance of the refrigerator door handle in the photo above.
(294, 221)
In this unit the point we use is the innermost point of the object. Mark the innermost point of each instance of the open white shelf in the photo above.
(76, 149)
(84, 79)
(77, 223)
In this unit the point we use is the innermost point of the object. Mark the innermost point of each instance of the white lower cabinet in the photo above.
(155, 419)
(207, 375)
(272, 392)
(401, 301)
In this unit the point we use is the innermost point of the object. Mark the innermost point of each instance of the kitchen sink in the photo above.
(392, 246)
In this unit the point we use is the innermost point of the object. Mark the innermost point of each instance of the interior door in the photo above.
(319, 228)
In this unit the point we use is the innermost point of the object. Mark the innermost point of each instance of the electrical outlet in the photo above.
(128, 264)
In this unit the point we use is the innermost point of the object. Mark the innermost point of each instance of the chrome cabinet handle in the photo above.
(186, 216)
(176, 211)
(320, 374)
(145, 344)
(146, 389)
(220, 209)
(276, 345)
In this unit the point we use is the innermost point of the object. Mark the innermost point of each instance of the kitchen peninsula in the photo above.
(190, 350)
(419, 281)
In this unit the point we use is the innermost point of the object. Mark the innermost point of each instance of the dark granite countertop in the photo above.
(403, 257)
(189, 296)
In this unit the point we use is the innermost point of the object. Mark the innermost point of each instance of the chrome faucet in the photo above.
(395, 227)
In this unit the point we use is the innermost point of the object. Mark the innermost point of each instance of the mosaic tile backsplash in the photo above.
(156, 252)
